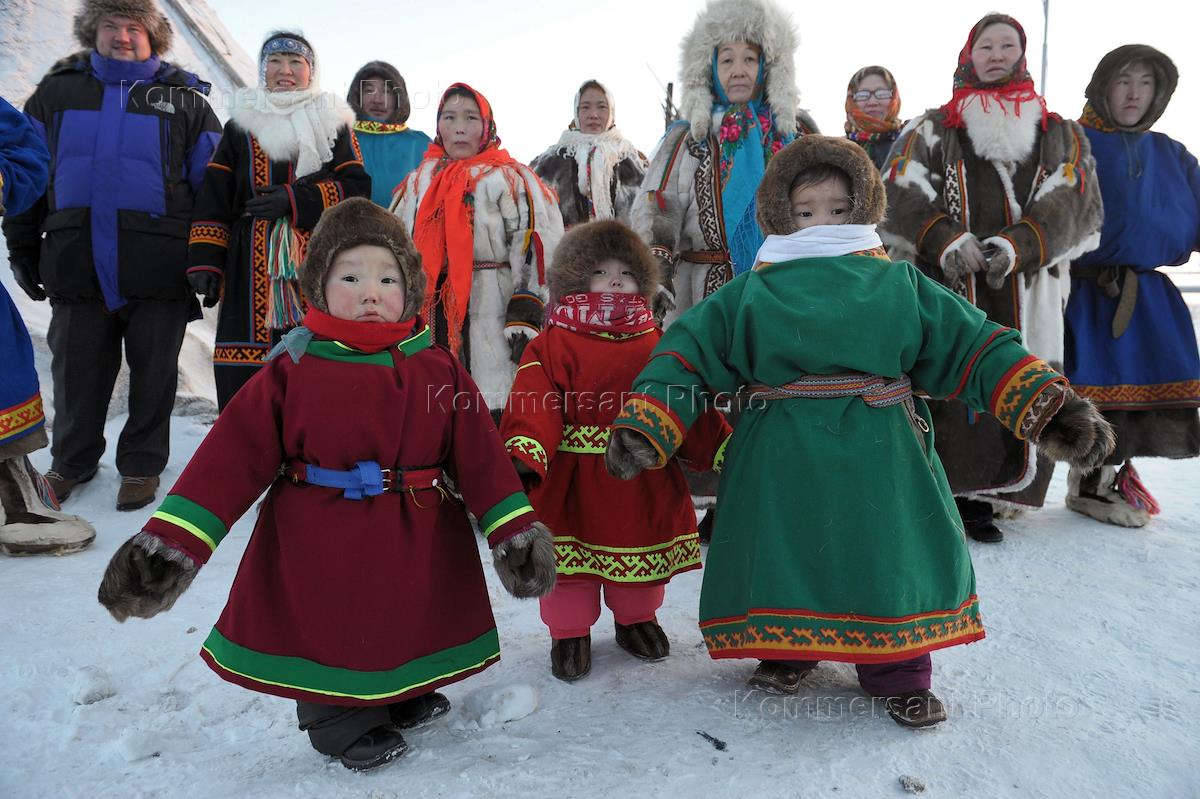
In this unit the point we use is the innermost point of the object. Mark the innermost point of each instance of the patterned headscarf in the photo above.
(861, 126)
(968, 87)
(285, 42)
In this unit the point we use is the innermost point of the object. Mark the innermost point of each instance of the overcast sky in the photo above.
(529, 57)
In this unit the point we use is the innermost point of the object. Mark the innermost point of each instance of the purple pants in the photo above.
(885, 679)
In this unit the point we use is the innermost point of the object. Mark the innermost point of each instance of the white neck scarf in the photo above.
(821, 241)
(301, 125)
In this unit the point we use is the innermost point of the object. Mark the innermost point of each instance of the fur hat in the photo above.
(586, 245)
(774, 202)
(391, 78)
(1166, 78)
(352, 222)
(763, 24)
(158, 27)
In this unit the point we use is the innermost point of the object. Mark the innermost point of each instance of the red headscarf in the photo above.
(968, 87)
(444, 230)
(859, 124)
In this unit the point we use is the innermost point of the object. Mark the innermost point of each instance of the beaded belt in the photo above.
(490, 265)
(584, 439)
(876, 391)
(366, 479)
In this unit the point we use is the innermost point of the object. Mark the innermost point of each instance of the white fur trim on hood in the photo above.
(760, 22)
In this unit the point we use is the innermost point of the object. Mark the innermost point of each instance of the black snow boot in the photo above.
(916, 709)
(978, 520)
(705, 528)
(645, 640)
(419, 710)
(777, 677)
(374, 749)
(571, 658)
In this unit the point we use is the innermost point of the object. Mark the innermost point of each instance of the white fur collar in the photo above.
(606, 151)
(300, 126)
(999, 132)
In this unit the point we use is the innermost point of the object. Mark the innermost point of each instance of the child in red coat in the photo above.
(360, 591)
(623, 539)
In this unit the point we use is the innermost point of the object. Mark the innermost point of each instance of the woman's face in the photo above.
(996, 50)
(287, 72)
(873, 105)
(737, 70)
(461, 127)
(593, 111)
(1130, 94)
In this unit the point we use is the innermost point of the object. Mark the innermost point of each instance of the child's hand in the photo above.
(144, 578)
(525, 563)
(1077, 434)
(629, 454)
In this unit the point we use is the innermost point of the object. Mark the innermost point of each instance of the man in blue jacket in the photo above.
(129, 137)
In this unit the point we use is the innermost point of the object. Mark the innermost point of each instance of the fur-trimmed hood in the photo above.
(355, 221)
(774, 203)
(586, 245)
(158, 27)
(1166, 78)
(760, 22)
(391, 78)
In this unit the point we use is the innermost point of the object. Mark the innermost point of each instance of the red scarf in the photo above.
(968, 87)
(603, 312)
(362, 336)
(444, 230)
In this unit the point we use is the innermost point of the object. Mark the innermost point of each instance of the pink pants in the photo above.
(573, 606)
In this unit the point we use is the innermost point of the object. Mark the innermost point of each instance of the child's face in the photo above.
(614, 277)
(365, 285)
(824, 203)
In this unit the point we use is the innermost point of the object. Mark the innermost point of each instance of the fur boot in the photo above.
(526, 563)
(1093, 493)
(571, 658)
(144, 578)
(29, 523)
(644, 640)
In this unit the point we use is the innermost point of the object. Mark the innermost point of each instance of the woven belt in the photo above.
(705, 256)
(366, 479)
(490, 265)
(876, 391)
(584, 439)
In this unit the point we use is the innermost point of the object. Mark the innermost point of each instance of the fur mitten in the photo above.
(1077, 434)
(664, 301)
(525, 563)
(144, 578)
(629, 453)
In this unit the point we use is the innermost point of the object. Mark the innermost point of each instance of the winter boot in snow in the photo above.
(374, 749)
(1094, 493)
(977, 517)
(63, 486)
(136, 492)
(645, 640)
(419, 710)
(571, 658)
(916, 709)
(30, 521)
(777, 677)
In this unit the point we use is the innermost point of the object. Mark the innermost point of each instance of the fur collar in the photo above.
(605, 151)
(760, 22)
(998, 133)
(300, 126)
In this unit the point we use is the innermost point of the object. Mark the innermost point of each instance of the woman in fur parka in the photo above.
(739, 106)
(486, 227)
(624, 540)
(993, 195)
(595, 170)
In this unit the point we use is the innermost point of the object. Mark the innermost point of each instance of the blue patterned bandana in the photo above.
(283, 44)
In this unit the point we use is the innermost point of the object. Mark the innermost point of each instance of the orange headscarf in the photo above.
(859, 121)
(444, 229)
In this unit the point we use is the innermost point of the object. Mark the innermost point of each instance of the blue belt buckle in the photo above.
(370, 480)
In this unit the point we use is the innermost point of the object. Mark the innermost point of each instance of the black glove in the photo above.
(27, 277)
(272, 202)
(207, 285)
(141, 582)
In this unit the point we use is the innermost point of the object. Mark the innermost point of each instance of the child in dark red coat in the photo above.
(360, 592)
(623, 539)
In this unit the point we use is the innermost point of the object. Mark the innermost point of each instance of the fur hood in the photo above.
(759, 22)
(391, 77)
(1166, 78)
(355, 221)
(158, 27)
(586, 245)
(774, 204)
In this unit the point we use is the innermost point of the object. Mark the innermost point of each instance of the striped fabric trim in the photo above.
(527, 446)
(208, 232)
(511, 507)
(22, 418)
(192, 518)
(584, 439)
(653, 419)
(529, 364)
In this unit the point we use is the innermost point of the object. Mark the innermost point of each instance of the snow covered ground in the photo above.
(1085, 686)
